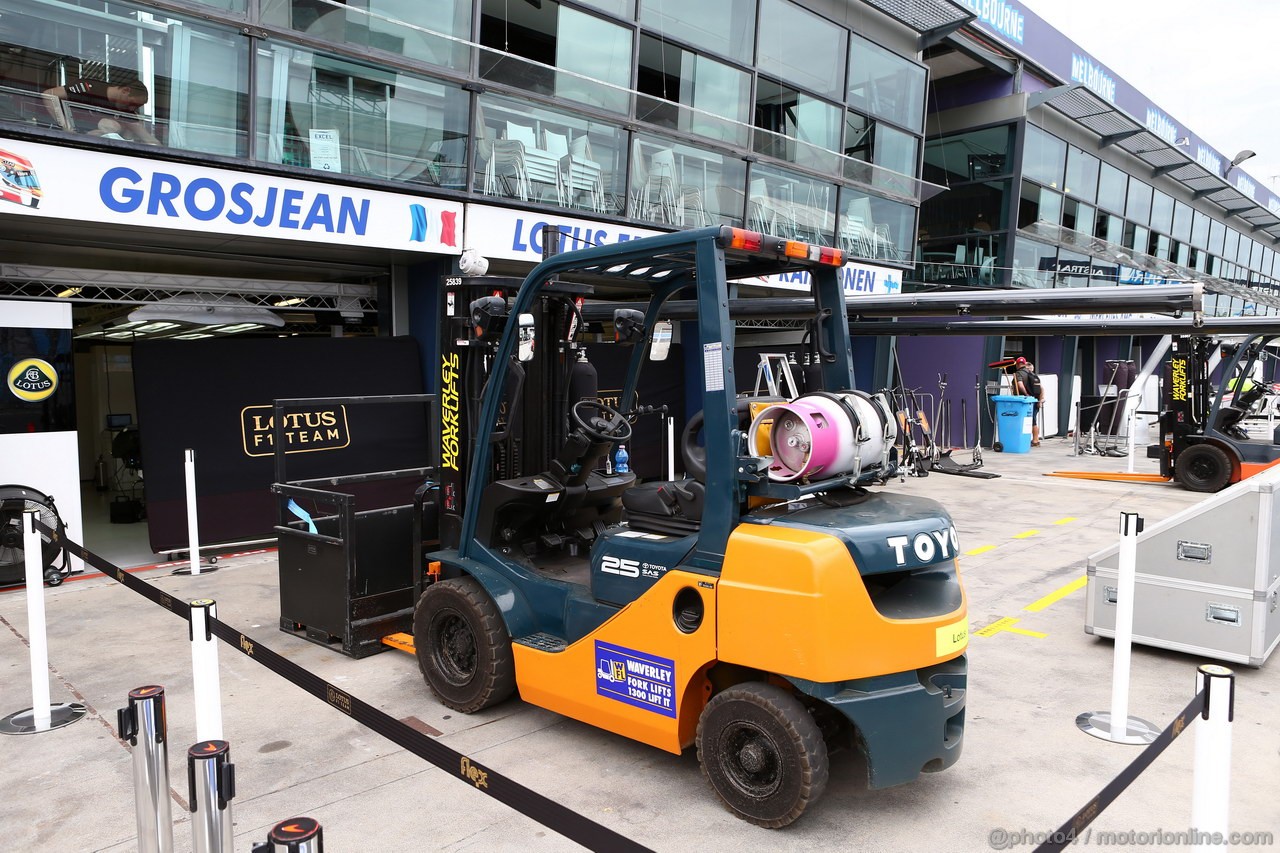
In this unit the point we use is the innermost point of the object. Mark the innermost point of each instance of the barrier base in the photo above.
(1137, 732)
(24, 722)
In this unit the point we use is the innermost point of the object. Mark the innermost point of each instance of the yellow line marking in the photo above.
(1066, 520)
(1006, 624)
(1026, 534)
(981, 549)
(1057, 594)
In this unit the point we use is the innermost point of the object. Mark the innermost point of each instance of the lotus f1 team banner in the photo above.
(69, 183)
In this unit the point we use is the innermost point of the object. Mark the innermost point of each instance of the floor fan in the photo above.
(15, 503)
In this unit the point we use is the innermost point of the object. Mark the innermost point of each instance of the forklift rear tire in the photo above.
(463, 648)
(763, 753)
(1203, 468)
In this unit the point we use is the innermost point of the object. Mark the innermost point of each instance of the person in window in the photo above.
(121, 99)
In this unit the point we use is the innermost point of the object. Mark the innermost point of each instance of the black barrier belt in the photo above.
(176, 605)
(1069, 831)
(530, 803)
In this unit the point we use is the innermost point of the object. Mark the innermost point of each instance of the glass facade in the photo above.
(1129, 213)
(720, 111)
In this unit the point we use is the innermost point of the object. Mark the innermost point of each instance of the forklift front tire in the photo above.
(763, 753)
(1203, 468)
(463, 648)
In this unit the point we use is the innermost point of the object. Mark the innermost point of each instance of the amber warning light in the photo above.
(754, 241)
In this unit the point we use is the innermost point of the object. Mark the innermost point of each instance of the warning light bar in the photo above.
(757, 243)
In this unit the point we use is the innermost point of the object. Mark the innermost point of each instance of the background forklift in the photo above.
(1203, 441)
(763, 622)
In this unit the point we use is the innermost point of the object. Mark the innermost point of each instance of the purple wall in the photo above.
(922, 358)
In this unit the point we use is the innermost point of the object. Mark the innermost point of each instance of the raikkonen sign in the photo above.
(302, 431)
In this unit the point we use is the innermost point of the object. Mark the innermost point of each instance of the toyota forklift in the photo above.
(766, 620)
(1203, 442)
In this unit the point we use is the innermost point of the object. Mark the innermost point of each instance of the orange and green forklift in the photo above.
(769, 611)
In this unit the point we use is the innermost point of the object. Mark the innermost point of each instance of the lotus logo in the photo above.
(33, 380)
(337, 699)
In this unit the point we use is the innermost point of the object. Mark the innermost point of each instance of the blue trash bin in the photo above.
(1013, 422)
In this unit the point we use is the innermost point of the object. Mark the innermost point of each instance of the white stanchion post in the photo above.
(1126, 583)
(1211, 788)
(204, 669)
(33, 549)
(1117, 726)
(193, 526)
(42, 715)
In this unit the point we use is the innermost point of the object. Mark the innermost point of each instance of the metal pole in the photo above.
(193, 525)
(204, 670)
(41, 716)
(211, 779)
(143, 724)
(1211, 789)
(671, 448)
(33, 550)
(295, 835)
(1117, 726)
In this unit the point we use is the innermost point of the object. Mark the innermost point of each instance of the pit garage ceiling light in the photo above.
(204, 309)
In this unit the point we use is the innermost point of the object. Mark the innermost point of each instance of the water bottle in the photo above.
(621, 460)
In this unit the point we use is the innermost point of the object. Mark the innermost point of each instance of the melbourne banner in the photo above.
(73, 184)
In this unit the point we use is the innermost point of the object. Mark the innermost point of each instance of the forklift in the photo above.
(1203, 442)
(765, 621)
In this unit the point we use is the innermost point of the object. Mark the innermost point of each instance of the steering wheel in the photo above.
(607, 424)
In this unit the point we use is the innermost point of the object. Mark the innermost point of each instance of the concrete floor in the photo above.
(1025, 765)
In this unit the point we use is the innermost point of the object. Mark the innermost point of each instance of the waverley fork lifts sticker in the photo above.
(645, 681)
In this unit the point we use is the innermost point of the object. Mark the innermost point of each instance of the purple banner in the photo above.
(1031, 36)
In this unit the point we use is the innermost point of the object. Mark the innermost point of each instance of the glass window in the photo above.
(1073, 269)
(1039, 204)
(966, 209)
(796, 127)
(533, 153)
(1077, 216)
(382, 25)
(859, 133)
(1138, 205)
(884, 84)
(675, 78)
(974, 155)
(1161, 212)
(1082, 175)
(625, 9)
(1159, 246)
(592, 55)
(792, 205)
(1231, 243)
(801, 48)
(1109, 227)
(1033, 263)
(1200, 231)
(896, 150)
(1217, 233)
(726, 27)
(677, 184)
(1111, 188)
(384, 123)
(140, 74)
(1043, 157)
(1181, 222)
(1246, 246)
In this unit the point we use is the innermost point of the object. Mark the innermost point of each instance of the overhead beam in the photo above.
(1113, 138)
(1164, 170)
(1036, 99)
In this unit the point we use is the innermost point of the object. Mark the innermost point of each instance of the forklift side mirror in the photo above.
(628, 326)
(526, 337)
(661, 342)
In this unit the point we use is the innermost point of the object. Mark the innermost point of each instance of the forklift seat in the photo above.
(663, 506)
